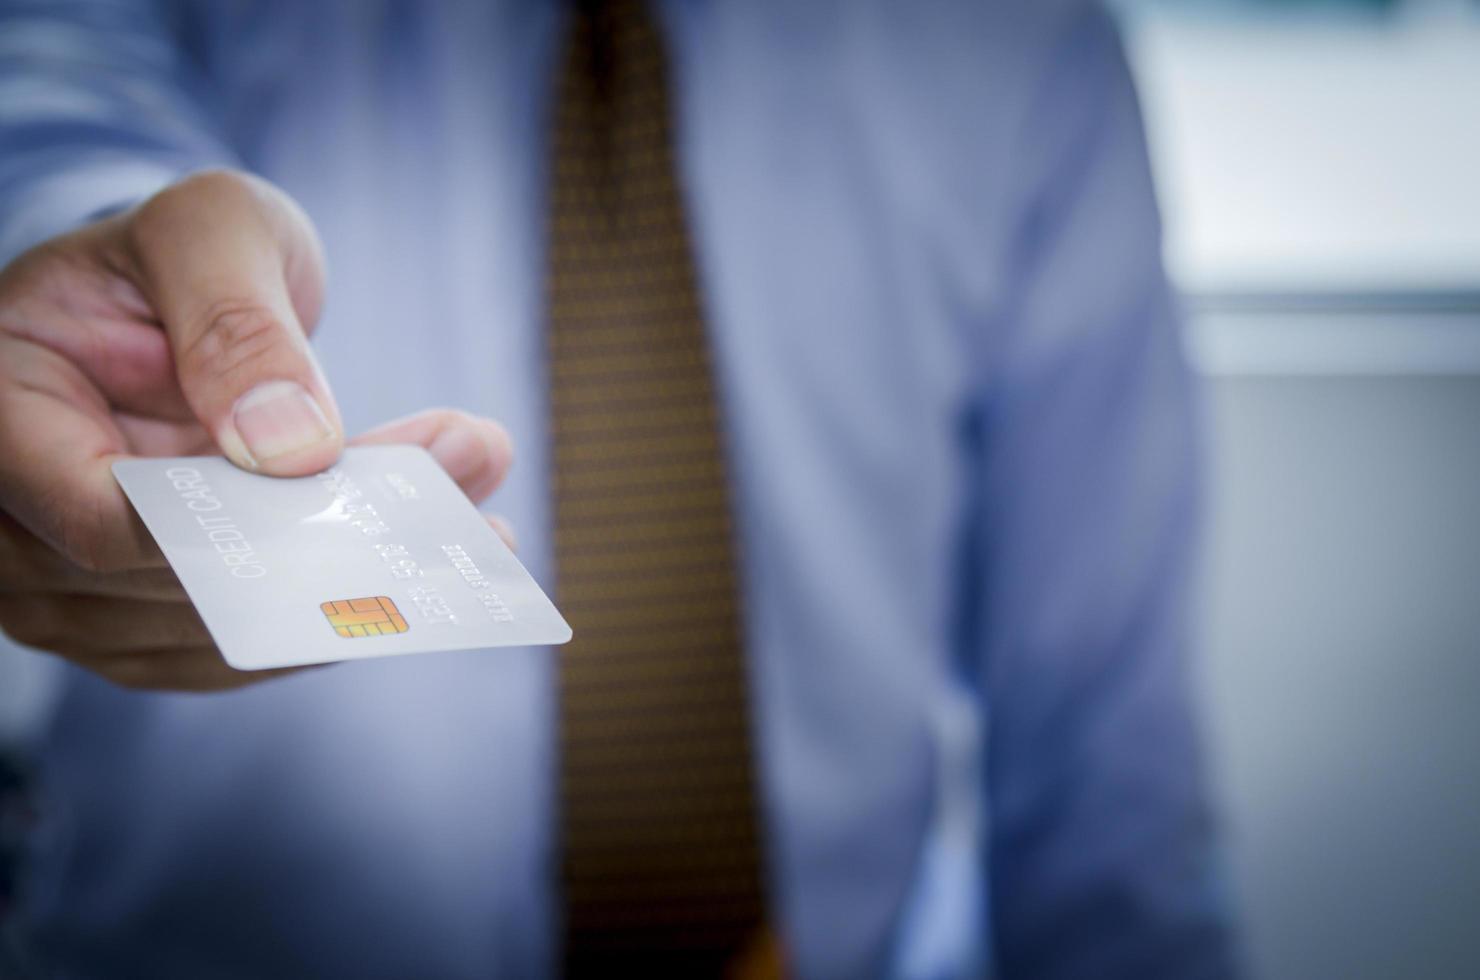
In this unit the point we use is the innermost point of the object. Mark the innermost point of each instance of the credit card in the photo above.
(380, 555)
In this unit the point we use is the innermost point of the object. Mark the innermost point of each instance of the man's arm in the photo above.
(99, 108)
(152, 314)
(1101, 842)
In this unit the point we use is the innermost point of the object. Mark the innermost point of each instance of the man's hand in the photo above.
(175, 328)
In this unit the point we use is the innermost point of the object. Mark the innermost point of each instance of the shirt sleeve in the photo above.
(99, 107)
(1101, 843)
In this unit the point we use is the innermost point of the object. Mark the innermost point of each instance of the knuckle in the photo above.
(444, 419)
(503, 443)
(82, 536)
(33, 622)
(461, 416)
(158, 214)
(500, 450)
(488, 431)
(84, 544)
(205, 200)
(154, 222)
(231, 338)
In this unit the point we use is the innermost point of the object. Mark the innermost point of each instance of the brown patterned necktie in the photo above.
(661, 869)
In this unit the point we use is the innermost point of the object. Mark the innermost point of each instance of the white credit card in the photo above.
(380, 555)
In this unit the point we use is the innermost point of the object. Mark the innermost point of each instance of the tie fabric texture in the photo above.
(661, 867)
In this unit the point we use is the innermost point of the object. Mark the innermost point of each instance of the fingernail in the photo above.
(277, 418)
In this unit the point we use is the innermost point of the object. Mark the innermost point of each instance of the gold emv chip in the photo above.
(374, 616)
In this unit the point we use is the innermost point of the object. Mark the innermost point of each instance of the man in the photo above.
(923, 296)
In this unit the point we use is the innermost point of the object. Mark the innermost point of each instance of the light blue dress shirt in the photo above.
(963, 440)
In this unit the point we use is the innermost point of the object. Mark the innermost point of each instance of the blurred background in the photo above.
(1318, 164)
(1318, 168)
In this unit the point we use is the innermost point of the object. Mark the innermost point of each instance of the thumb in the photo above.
(233, 271)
